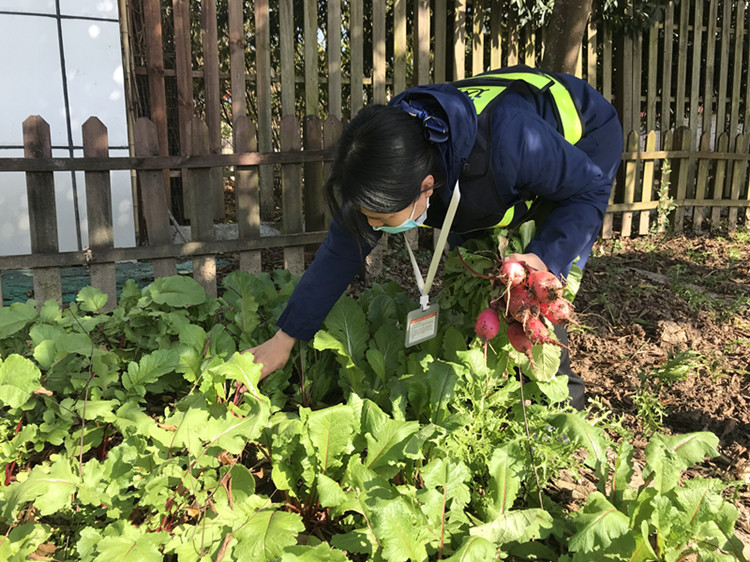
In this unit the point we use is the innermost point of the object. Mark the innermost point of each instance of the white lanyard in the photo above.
(423, 285)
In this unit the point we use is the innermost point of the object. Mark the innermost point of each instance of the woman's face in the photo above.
(413, 210)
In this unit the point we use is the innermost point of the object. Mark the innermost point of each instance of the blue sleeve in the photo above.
(532, 159)
(336, 263)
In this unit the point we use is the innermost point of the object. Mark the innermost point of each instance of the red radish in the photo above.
(511, 273)
(520, 341)
(544, 286)
(521, 305)
(559, 311)
(487, 325)
(536, 330)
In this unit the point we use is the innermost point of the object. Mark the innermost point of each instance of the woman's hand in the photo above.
(532, 260)
(274, 353)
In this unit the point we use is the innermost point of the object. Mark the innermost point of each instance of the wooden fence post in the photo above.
(699, 212)
(247, 190)
(315, 203)
(682, 142)
(202, 198)
(291, 194)
(40, 191)
(155, 71)
(722, 145)
(648, 184)
(153, 197)
(738, 175)
(99, 210)
(631, 173)
(665, 187)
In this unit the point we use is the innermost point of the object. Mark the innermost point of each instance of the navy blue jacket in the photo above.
(530, 159)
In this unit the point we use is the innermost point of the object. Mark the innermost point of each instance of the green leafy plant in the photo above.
(649, 395)
(126, 435)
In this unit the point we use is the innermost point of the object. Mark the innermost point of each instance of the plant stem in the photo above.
(531, 449)
(466, 265)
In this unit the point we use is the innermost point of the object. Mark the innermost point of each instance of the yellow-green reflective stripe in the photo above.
(566, 107)
(509, 214)
(482, 95)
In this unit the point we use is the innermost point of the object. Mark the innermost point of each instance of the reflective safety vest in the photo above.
(485, 91)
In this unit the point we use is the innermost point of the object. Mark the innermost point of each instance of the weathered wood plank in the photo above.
(315, 203)
(477, 38)
(421, 41)
(40, 193)
(699, 212)
(738, 178)
(725, 54)
(356, 48)
(99, 210)
(683, 35)
(183, 71)
(695, 72)
(710, 63)
(739, 46)
(201, 197)
(312, 95)
(683, 141)
(237, 62)
(165, 251)
(459, 39)
(607, 62)
(247, 191)
(631, 173)
(291, 195)
(378, 52)
(665, 109)
(288, 56)
(333, 36)
(722, 144)
(399, 47)
(211, 84)
(653, 65)
(442, 43)
(648, 184)
(496, 37)
(592, 34)
(263, 93)
(153, 196)
(155, 70)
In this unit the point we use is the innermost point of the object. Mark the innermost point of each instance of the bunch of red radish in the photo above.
(529, 295)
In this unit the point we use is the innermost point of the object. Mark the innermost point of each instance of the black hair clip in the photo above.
(435, 129)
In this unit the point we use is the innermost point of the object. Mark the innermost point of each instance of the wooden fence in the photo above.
(198, 168)
(656, 189)
(272, 85)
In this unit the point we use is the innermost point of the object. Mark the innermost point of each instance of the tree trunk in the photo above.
(565, 34)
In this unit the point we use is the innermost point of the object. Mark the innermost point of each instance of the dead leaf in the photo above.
(167, 426)
(225, 458)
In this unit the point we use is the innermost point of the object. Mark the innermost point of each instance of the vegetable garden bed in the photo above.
(126, 436)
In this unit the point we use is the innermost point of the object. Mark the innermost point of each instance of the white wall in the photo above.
(61, 60)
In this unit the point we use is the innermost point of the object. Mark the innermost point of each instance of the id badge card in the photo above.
(421, 325)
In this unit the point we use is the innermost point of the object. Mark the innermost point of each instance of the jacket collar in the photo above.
(437, 105)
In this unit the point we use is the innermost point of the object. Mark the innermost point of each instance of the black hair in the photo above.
(379, 163)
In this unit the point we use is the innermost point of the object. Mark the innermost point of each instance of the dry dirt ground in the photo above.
(642, 301)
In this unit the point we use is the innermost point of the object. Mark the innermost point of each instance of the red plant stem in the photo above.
(466, 265)
(9, 467)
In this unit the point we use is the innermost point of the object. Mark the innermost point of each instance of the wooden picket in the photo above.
(682, 102)
(40, 191)
(99, 210)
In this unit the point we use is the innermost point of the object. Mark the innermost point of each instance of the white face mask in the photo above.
(409, 223)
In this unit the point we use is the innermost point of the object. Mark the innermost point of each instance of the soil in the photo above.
(641, 301)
